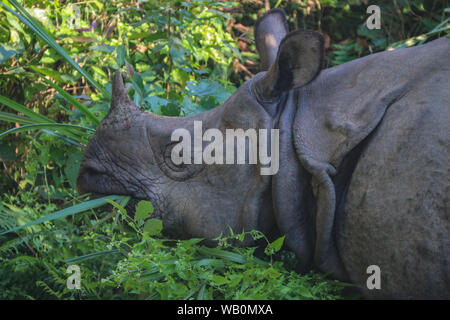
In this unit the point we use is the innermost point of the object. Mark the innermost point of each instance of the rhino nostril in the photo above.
(91, 172)
(87, 176)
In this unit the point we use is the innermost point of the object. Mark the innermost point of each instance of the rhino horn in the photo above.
(120, 96)
(122, 107)
(298, 62)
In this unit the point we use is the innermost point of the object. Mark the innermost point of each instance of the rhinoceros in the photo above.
(363, 179)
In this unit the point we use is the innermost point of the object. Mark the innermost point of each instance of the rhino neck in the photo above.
(336, 113)
(293, 200)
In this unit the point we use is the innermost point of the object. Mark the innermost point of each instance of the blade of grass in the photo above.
(223, 254)
(231, 256)
(91, 204)
(201, 292)
(88, 113)
(90, 256)
(22, 109)
(36, 117)
(70, 141)
(14, 118)
(420, 39)
(54, 126)
(34, 25)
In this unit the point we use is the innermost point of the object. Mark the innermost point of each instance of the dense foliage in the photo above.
(180, 58)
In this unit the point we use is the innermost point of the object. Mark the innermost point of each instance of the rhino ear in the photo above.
(269, 31)
(299, 61)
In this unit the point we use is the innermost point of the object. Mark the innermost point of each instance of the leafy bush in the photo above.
(130, 259)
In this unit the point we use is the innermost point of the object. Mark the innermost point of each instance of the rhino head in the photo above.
(130, 153)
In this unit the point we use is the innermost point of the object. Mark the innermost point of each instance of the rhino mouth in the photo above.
(98, 183)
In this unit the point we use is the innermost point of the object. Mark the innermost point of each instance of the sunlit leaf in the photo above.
(153, 227)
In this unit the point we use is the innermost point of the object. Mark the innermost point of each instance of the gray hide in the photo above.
(394, 205)
(364, 162)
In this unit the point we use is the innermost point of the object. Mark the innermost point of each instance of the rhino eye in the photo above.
(168, 160)
(174, 171)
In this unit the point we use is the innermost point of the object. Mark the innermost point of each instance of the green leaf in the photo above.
(121, 55)
(201, 293)
(99, 71)
(208, 88)
(231, 256)
(156, 103)
(67, 212)
(72, 167)
(276, 245)
(117, 206)
(304, 292)
(219, 280)
(48, 72)
(171, 109)
(143, 210)
(7, 152)
(6, 52)
(153, 227)
(102, 48)
(216, 263)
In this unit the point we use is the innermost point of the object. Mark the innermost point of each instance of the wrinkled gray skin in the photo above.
(364, 162)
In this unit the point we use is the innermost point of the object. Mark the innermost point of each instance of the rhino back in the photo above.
(396, 213)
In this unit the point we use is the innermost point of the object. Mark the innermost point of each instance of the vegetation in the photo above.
(180, 57)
